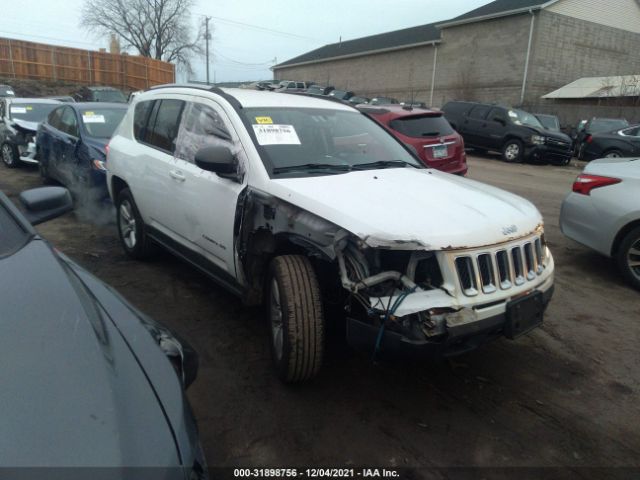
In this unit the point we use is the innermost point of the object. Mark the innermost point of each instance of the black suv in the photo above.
(519, 135)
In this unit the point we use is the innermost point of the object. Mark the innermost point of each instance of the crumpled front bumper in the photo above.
(28, 153)
(466, 330)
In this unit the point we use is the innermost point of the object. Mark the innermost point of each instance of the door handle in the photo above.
(177, 175)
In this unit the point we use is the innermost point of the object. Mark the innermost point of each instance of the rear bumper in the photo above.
(459, 339)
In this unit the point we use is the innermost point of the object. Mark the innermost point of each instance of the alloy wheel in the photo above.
(512, 152)
(7, 154)
(127, 224)
(633, 259)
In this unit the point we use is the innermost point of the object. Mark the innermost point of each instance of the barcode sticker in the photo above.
(18, 110)
(276, 135)
(92, 118)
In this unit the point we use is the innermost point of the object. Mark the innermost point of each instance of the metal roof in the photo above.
(599, 87)
(495, 9)
(398, 39)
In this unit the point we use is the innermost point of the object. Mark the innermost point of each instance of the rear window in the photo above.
(12, 235)
(109, 96)
(140, 118)
(422, 126)
(479, 112)
(165, 128)
(31, 112)
(101, 122)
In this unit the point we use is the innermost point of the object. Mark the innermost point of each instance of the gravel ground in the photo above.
(566, 395)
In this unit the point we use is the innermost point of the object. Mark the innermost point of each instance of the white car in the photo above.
(309, 206)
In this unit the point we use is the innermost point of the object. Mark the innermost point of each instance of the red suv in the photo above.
(427, 131)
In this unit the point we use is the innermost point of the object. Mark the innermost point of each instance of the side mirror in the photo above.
(220, 160)
(45, 203)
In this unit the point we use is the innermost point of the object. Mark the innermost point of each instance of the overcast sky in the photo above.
(248, 34)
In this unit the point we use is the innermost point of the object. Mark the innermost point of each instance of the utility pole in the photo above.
(207, 38)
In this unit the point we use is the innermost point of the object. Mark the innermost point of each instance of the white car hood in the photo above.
(407, 208)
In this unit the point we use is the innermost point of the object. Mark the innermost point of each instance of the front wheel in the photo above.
(628, 257)
(512, 151)
(9, 155)
(131, 229)
(296, 318)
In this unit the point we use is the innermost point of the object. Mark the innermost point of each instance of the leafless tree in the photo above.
(159, 29)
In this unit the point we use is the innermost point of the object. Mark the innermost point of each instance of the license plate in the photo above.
(523, 315)
(440, 151)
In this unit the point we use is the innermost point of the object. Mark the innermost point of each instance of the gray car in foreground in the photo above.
(603, 212)
(87, 380)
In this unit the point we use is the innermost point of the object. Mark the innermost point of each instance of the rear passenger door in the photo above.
(156, 126)
(206, 201)
(65, 146)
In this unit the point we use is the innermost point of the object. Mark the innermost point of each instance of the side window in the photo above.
(291, 85)
(479, 112)
(632, 132)
(497, 114)
(141, 118)
(69, 122)
(54, 117)
(300, 85)
(2, 109)
(164, 132)
(201, 126)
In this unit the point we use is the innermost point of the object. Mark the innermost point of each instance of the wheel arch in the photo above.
(117, 185)
(623, 233)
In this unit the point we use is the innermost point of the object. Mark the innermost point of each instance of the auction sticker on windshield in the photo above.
(90, 117)
(276, 135)
(18, 110)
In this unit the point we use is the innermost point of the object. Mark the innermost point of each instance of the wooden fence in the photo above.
(39, 61)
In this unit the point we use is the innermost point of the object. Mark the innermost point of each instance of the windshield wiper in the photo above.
(312, 166)
(382, 164)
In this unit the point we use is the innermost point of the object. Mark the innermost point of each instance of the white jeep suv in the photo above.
(311, 207)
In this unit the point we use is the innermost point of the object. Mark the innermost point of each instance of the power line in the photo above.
(237, 23)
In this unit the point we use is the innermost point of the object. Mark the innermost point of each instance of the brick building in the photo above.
(508, 51)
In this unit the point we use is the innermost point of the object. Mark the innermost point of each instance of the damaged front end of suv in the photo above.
(402, 296)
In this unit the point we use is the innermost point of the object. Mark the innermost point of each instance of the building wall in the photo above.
(567, 48)
(483, 61)
(396, 73)
(622, 14)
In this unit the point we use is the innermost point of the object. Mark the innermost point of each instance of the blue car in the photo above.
(71, 145)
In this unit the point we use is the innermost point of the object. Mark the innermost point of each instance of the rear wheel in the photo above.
(296, 318)
(131, 229)
(628, 257)
(512, 151)
(613, 154)
(9, 155)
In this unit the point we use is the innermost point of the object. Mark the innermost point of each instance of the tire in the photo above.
(296, 319)
(513, 151)
(131, 228)
(9, 155)
(628, 257)
(613, 154)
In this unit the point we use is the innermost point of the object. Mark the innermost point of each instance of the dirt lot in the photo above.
(565, 395)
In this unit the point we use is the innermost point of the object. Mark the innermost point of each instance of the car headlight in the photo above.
(99, 165)
(537, 139)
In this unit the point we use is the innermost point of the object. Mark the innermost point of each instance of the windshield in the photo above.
(6, 91)
(335, 140)
(520, 117)
(549, 122)
(102, 122)
(422, 126)
(31, 112)
(109, 96)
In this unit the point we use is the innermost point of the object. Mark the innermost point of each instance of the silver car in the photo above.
(603, 212)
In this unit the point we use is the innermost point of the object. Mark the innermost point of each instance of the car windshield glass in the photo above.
(12, 235)
(607, 125)
(101, 122)
(5, 90)
(335, 140)
(520, 117)
(422, 126)
(31, 112)
(550, 123)
(109, 96)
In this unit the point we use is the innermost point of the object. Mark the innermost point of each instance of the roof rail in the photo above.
(209, 88)
(321, 97)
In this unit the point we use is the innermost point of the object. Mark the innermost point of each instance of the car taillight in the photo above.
(588, 138)
(585, 183)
